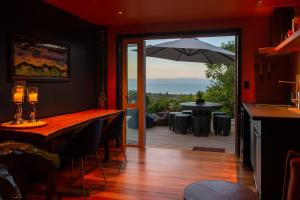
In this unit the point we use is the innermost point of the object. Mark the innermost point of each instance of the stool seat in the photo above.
(187, 112)
(218, 190)
(214, 114)
(223, 124)
(182, 122)
(172, 120)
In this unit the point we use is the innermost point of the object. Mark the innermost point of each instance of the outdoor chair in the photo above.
(161, 118)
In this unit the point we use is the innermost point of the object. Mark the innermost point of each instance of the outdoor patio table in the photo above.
(202, 109)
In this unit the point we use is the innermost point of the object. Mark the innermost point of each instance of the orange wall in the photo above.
(255, 34)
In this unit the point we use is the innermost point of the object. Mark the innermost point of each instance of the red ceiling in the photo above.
(104, 12)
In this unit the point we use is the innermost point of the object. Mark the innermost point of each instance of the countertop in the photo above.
(261, 112)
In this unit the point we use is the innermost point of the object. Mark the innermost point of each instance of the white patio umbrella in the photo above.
(191, 50)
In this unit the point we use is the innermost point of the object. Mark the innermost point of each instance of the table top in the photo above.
(207, 106)
(59, 124)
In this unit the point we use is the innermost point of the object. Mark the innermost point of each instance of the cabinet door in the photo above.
(257, 171)
(252, 145)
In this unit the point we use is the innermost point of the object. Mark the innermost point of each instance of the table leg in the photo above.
(106, 151)
(51, 181)
(204, 120)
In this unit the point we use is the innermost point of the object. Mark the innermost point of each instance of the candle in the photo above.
(19, 89)
(33, 97)
(18, 97)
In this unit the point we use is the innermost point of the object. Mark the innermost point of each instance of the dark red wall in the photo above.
(36, 19)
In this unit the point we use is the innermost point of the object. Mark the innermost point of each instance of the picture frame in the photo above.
(39, 60)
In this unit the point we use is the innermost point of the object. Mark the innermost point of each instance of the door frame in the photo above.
(140, 103)
(198, 33)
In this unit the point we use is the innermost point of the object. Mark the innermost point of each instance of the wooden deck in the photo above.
(151, 173)
(162, 137)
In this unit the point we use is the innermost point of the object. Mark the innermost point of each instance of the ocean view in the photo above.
(173, 86)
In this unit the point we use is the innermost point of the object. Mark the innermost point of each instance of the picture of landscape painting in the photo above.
(39, 61)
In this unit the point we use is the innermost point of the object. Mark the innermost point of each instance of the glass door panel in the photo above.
(133, 92)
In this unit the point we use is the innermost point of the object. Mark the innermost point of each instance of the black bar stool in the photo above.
(223, 124)
(182, 122)
(172, 125)
(214, 114)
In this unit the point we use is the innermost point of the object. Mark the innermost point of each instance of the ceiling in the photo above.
(105, 12)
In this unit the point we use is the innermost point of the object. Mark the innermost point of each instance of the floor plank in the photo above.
(154, 173)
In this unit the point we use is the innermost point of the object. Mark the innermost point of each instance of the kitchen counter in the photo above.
(268, 132)
(260, 111)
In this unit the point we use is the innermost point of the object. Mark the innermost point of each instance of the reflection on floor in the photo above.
(160, 174)
(162, 137)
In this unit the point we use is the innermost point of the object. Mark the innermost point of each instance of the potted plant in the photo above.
(200, 99)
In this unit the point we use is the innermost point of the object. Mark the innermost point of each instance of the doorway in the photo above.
(237, 83)
(173, 80)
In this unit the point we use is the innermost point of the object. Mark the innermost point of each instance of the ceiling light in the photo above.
(120, 12)
(258, 2)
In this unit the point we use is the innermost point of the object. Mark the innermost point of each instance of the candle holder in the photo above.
(18, 92)
(32, 98)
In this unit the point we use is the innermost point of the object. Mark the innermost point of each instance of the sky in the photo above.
(157, 68)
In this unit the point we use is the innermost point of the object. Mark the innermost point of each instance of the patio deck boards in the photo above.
(162, 137)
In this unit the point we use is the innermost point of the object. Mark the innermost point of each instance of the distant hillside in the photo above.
(179, 81)
(173, 86)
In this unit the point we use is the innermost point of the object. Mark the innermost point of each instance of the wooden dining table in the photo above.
(46, 137)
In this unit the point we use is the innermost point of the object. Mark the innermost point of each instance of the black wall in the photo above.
(37, 19)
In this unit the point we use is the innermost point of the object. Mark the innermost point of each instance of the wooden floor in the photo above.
(153, 173)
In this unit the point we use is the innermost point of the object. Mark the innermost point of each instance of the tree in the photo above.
(222, 88)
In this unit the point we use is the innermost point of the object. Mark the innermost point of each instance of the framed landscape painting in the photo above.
(39, 60)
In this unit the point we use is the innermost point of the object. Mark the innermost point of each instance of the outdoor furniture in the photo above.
(172, 120)
(218, 190)
(200, 125)
(204, 110)
(161, 118)
(223, 123)
(214, 114)
(182, 122)
(191, 50)
(132, 122)
(187, 112)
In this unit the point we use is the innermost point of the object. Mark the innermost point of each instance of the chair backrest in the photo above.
(86, 141)
(8, 187)
(113, 129)
(292, 177)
